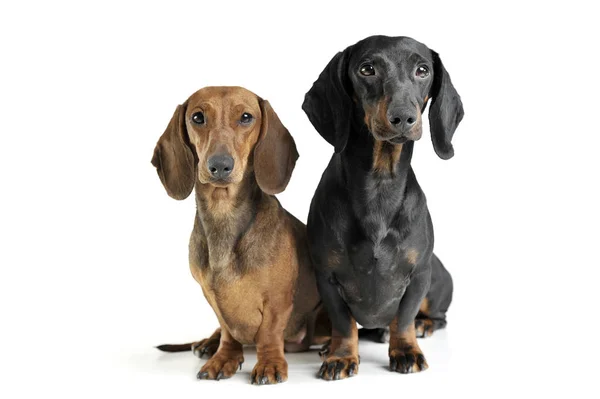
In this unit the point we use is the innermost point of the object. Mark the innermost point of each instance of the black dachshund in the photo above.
(369, 229)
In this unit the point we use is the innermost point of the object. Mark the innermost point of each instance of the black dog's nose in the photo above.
(220, 166)
(402, 120)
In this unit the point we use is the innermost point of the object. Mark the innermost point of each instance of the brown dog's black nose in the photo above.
(402, 120)
(220, 166)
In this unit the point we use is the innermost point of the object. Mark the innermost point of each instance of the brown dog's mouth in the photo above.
(220, 183)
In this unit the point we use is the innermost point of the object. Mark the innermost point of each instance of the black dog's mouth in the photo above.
(381, 132)
(398, 140)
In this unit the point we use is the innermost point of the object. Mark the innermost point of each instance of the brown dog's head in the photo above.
(219, 136)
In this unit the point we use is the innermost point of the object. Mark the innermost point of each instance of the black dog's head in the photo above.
(386, 82)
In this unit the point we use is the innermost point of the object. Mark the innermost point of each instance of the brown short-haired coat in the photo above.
(248, 253)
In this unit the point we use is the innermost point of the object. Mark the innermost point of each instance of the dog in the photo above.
(249, 255)
(370, 233)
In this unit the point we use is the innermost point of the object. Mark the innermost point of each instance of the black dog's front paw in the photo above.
(407, 361)
(337, 368)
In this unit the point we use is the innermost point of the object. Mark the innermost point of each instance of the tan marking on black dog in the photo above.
(424, 307)
(423, 327)
(404, 352)
(376, 119)
(334, 259)
(412, 255)
(386, 156)
(340, 357)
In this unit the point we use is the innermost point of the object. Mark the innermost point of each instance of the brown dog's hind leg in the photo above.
(405, 354)
(340, 355)
(207, 346)
(226, 361)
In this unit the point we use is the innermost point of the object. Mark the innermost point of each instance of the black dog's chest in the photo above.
(378, 218)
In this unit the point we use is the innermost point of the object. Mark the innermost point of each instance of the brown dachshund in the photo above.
(249, 255)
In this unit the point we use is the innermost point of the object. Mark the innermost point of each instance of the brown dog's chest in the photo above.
(236, 308)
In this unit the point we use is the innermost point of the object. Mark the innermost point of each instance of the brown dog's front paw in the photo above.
(207, 346)
(337, 368)
(269, 372)
(219, 367)
(424, 328)
(407, 360)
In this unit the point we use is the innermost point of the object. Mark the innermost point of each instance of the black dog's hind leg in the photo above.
(432, 313)
(404, 352)
(340, 357)
(379, 335)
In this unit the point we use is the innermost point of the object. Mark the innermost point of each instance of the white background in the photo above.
(94, 253)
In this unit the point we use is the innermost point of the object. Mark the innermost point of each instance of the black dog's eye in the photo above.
(422, 72)
(367, 70)
(246, 118)
(198, 118)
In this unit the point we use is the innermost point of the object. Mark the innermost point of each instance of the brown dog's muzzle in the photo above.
(220, 161)
(220, 166)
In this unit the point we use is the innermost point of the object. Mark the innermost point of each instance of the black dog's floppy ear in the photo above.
(275, 153)
(446, 110)
(328, 103)
(173, 158)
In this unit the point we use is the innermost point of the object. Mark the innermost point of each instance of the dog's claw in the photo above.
(420, 361)
(278, 377)
(322, 369)
(352, 369)
(407, 361)
(202, 375)
(331, 368)
(393, 364)
(338, 369)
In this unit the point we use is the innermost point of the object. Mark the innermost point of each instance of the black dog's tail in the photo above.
(175, 347)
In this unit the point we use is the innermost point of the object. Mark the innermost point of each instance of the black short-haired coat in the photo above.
(370, 232)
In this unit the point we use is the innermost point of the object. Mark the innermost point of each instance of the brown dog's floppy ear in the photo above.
(275, 153)
(328, 104)
(173, 158)
(446, 110)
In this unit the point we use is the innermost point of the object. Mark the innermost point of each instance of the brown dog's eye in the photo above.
(198, 118)
(422, 72)
(367, 70)
(246, 118)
